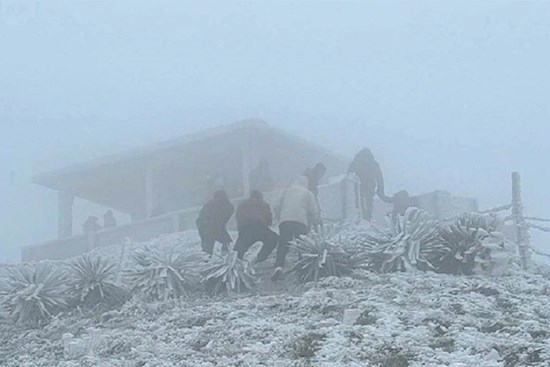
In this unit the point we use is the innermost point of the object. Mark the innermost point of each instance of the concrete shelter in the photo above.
(174, 178)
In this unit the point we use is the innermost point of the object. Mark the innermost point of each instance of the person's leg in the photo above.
(287, 232)
(285, 236)
(207, 241)
(225, 239)
(369, 203)
(244, 241)
(300, 230)
(367, 200)
(270, 240)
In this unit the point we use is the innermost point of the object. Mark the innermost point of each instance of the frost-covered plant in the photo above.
(162, 274)
(3, 288)
(93, 282)
(410, 241)
(31, 294)
(228, 274)
(320, 255)
(469, 242)
(306, 346)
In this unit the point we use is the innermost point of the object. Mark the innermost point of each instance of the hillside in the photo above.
(406, 319)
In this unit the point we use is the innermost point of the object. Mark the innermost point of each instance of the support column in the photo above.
(246, 153)
(65, 214)
(150, 199)
(522, 231)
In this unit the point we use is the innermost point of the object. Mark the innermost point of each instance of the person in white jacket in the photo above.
(298, 211)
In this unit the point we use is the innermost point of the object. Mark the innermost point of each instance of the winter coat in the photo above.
(254, 210)
(214, 216)
(369, 173)
(298, 204)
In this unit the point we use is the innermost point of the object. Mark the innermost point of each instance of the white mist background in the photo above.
(448, 95)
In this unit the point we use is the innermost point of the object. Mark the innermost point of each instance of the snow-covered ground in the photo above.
(406, 319)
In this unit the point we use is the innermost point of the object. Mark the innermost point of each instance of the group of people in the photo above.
(92, 223)
(298, 212)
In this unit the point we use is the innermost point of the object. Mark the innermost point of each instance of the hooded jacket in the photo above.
(298, 204)
(370, 174)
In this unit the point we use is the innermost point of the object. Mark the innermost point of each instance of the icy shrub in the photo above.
(320, 256)
(444, 343)
(521, 355)
(391, 356)
(31, 294)
(306, 346)
(162, 274)
(469, 242)
(93, 282)
(367, 317)
(228, 274)
(410, 241)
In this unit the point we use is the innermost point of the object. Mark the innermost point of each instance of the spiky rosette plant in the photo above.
(320, 255)
(32, 294)
(470, 241)
(93, 282)
(410, 242)
(228, 274)
(163, 274)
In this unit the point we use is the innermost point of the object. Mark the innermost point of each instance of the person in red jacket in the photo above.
(254, 218)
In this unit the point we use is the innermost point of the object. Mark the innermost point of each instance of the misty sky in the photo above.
(449, 95)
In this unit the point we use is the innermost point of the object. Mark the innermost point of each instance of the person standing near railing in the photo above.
(91, 224)
(109, 220)
(212, 222)
(370, 175)
(314, 176)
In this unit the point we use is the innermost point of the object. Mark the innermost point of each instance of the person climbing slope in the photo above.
(370, 175)
(254, 218)
(298, 211)
(212, 222)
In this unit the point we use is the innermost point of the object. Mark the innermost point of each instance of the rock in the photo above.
(493, 356)
(351, 315)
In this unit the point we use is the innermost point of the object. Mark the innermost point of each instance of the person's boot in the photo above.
(277, 274)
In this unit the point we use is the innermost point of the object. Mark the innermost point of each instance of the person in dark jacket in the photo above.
(91, 225)
(372, 181)
(314, 175)
(212, 222)
(109, 220)
(254, 218)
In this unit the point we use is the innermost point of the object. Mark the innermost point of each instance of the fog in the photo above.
(449, 96)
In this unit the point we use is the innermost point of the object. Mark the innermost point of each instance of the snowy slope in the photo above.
(413, 319)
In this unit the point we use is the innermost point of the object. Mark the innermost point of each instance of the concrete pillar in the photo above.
(150, 199)
(65, 214)
(247, 152)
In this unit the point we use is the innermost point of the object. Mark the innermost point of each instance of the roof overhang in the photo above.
(118, 181)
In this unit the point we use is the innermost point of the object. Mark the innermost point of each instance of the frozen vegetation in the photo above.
(497, 317)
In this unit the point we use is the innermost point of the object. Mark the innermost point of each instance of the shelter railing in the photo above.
(337, 198)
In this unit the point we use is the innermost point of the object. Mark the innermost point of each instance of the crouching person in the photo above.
(212, 222)
(253, 220)
(298, 210)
